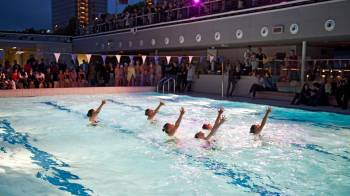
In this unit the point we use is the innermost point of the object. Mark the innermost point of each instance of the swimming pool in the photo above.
(47, 148)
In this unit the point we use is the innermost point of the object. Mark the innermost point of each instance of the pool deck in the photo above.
(277, 103)
(72, 91)
(112, 90)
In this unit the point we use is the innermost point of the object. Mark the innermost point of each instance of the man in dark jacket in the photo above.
(233, 75)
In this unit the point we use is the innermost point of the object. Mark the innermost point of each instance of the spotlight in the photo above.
(196, 1)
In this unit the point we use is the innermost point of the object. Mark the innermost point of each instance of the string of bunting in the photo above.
(131, 57)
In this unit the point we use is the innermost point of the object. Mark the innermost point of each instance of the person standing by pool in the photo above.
(213, 129)
(257, 128)
(152, 113)
(171, 129)
(231, 84)
(131, 74)
(92, 114)
(190, 76)
(117, 76)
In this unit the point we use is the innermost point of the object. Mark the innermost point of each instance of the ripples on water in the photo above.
(300, 152)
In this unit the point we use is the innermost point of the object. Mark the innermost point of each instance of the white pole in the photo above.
(169, 86)
(303, 59)
(222, 79)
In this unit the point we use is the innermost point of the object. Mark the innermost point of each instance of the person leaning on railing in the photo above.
(165, 11)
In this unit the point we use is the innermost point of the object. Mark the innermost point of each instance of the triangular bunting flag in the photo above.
(74, 57)
(211, 58)
(143, 58)
(168, 59)
(118, 57)
(57, 56)
(156, 59)
(179, 59)
(190, 59)
(104, 58)
(131, 57)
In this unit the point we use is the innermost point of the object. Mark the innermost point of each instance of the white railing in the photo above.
(202, 10)
(164, 81)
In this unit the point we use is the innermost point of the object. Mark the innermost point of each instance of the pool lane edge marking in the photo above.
(216, 167)
(48, 163)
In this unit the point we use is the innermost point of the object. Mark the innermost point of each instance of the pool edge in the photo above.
(72, 91)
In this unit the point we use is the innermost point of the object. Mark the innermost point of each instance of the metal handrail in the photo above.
(164, 81)
(161, 81)
(168, 81)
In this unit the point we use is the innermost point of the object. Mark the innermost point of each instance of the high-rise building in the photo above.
(85, 11)
(96, 7)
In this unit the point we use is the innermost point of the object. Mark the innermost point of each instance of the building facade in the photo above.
(84, 10)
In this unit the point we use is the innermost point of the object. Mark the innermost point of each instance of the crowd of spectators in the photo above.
(317, 90)
(36, 74)
(319, 93)
(324, 81)
(41, 74)
(170, 10)
(265, 83)
(287, 66)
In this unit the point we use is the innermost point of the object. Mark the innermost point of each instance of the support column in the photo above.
(222, 78)
(303, 61)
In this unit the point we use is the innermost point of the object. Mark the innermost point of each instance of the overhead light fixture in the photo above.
(14, 47)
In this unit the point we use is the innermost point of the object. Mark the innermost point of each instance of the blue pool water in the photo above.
(47, 148)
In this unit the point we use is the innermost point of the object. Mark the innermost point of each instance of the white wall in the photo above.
(213, 84)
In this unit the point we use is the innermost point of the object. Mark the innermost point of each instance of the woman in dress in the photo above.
(131, 75)
(67, 79)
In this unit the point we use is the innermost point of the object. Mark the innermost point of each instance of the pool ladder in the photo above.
(164, 81)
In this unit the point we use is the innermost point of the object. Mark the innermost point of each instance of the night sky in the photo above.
(16, 15)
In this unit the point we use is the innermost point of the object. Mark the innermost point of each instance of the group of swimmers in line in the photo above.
(170, 129)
